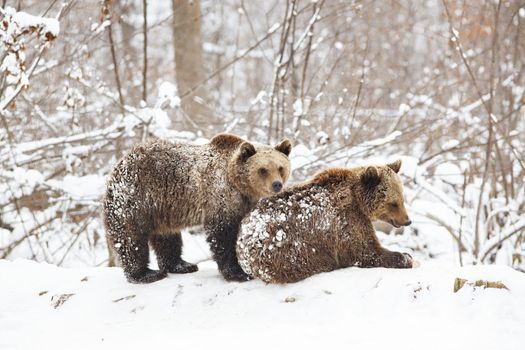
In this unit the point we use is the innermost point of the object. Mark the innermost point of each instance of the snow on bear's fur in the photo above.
(323, 225)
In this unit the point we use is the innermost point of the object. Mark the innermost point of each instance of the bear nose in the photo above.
(407, 223)
(277, 186)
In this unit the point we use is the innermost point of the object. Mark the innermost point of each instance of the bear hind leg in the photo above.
(133, 253)
(168, 248)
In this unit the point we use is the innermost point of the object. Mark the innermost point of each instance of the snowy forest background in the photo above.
(440, 84)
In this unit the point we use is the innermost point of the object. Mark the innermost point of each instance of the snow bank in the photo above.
(95, 308)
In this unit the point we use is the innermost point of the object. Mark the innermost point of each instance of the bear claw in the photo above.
(409, 261)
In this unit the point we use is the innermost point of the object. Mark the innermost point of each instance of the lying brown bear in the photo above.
(323, 225)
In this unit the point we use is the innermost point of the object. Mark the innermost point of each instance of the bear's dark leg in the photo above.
(222, 236)
(168, 248)
(396, 260)
(133, 252)
(390, 259)
(377, 256)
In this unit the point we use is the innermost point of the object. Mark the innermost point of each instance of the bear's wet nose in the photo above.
(277, 186)
(407, 223)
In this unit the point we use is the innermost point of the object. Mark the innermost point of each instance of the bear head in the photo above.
(260, 170)
(383, 194)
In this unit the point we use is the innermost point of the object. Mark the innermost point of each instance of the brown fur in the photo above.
(323, 225)
(162, 187)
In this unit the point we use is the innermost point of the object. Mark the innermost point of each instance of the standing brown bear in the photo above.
(323, 225)
(162, 187)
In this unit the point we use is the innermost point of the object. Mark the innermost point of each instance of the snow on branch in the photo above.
(17, 23)
(14, 25)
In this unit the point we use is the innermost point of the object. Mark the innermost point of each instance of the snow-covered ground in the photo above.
(48, 307)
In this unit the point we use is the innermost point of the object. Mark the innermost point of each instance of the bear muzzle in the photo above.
(277, 186)
(397, 224)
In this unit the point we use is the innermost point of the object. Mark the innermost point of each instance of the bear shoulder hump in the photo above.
(226, 141)
(332, 175)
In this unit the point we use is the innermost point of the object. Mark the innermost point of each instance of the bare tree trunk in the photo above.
(187, 43)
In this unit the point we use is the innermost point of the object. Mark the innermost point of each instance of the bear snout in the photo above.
(407, 223)
(277, 186)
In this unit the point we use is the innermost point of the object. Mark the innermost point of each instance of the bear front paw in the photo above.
(409, 261)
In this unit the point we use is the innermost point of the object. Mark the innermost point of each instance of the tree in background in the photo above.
(189, 67)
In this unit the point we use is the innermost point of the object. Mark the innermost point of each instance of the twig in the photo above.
(449, 229)
(518, 227)
(306, 60)
(107, 4)
(360, 87)
(461, 218)
(77, 236)
(5, 103)
(286, 25)
(145, 50)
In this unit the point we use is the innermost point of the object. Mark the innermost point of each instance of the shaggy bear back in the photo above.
(154, 178)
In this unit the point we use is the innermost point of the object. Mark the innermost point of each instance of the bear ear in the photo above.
(284, 147)
(370, 177)
(395, 165)
(247, 150)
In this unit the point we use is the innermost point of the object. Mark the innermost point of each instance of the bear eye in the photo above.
(394, 205)
(263, 171)
(281, 170)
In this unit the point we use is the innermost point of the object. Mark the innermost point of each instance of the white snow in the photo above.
(301, 156)
(450, 173)
(167, 95)
(48, 25)
(355, 308)
(22, 21)
(81, 187)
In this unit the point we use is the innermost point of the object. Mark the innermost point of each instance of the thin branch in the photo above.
(5, 103)
(306, 60)
(286, 25)
(516, 228)
(449, 229)
(145, 50)
(461, 219)
(115, 67)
